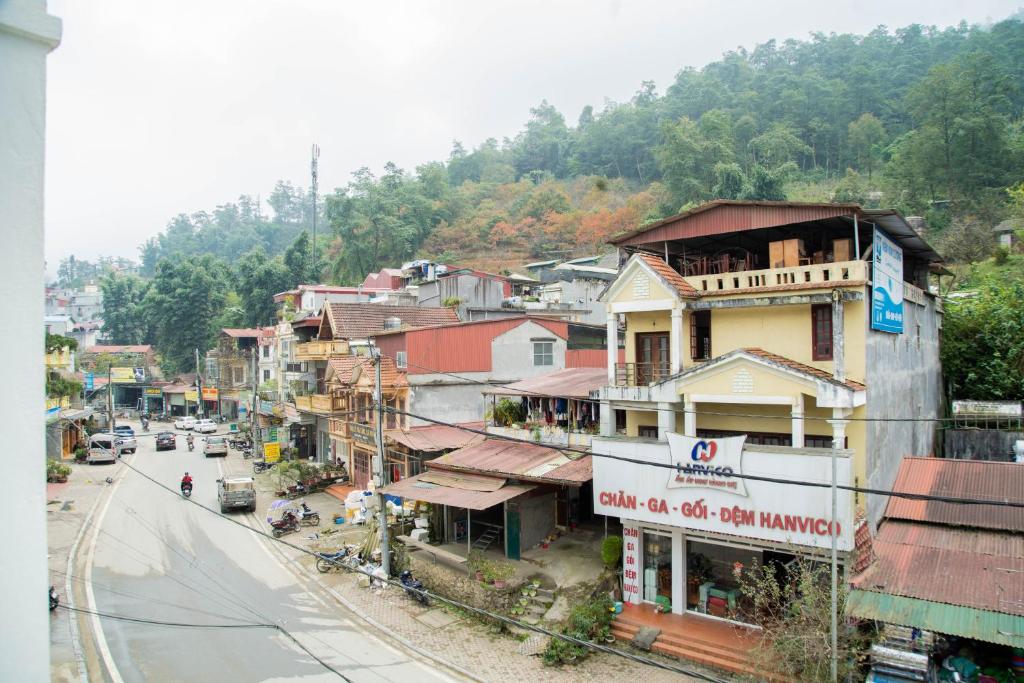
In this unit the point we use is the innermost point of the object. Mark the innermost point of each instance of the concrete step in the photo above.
(546, 593)
(703, 658)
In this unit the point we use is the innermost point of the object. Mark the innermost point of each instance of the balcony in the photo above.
(545, 435)
(338, 427)
(803, 276)
(321, 350)
(640, 374)
(322, 404)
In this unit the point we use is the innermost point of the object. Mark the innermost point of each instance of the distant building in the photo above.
(1006, 232)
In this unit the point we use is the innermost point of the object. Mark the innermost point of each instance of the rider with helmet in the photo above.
(186, 482)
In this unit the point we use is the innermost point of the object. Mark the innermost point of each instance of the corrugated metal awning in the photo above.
(416, 488)
(568, 383)
(432, 438)
(967, 622)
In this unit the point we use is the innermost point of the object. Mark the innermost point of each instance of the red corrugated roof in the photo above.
(970, 568)
(357, 321)
(526, 462)
(432, 438)
(569, 383)
(802, 367)
(120, 348)
(978, 479)
(670, 276)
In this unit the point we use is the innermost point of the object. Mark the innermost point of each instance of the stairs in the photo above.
(538, 606)
(695, 646)
(486, 539)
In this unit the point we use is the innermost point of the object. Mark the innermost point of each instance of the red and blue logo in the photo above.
(703, 451)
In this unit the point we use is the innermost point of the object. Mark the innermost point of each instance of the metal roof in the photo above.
(569, 383)
(991, 627)
(415, 488)
(432, 438)
(977, 479)
(527, 462)
(962, 567)
(237, 332)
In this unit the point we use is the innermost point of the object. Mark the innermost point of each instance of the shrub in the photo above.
(589, 620)
(56, 470)
(508, 412)
(611, 551)
(451, 302)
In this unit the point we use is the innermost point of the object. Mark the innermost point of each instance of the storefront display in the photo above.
(657, 555)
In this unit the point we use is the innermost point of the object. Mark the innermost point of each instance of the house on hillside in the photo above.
(450, 365)
(758, 336)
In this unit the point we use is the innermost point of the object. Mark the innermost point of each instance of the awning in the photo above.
(417, 488)
(82, 414)
(432, 438)
(967, 622)
(568, 383)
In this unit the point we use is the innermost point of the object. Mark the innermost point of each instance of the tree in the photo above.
(866, 137)
(259, 279)
(297, 260)
(983, 343)
(123, 318)
(544, 145)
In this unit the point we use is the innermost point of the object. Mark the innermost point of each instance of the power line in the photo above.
(754, 477)
(455, 603)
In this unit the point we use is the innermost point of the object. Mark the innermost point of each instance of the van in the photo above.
(104, 448)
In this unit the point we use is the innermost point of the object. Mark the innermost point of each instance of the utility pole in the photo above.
(378, 465)
(199, 389)
(110, 400)
(254, 429)
(315, 154)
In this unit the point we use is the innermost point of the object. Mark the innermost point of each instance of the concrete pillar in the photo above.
(689, 418)
(678, 572)
(27, 35)
(838, 338)
(838, 427)
(798, 421)
(675, 341)
(666, 420)
(607, 419)
(613, 346)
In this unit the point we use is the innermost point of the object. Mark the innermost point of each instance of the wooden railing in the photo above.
(824, 274)
(640, 374)
(321, 350)
(326, 403)
(338, 426)
(304, 403)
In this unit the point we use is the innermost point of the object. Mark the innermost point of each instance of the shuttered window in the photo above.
(821, 332)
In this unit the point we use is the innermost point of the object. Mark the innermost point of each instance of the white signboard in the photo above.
(631, 563)
(770, 511)
(706, 463)
(886, 285)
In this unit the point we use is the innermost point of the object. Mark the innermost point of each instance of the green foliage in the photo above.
(983, 341)
(587, 621)
(451, 302)
(611, 551)
(259, 278)
(56, 471)
(60, 387)
(58, 342)
(123, 319)
(508, 412)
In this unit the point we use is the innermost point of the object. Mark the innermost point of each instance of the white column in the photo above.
(798, 421)
(675, 340)
(613, 346)
(27, 34)
(607, 419)
(678, 575)
(839, 427)
(690, 418)
(666, 420)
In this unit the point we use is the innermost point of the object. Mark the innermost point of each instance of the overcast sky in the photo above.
(159, 108)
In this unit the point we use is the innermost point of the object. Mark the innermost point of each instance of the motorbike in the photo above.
(186, 490)
(240, 444)
(308, 517)
(346, 557)
(247, 452)
(54, 598)
(414, 587)
(191, 445)
(260, 465)
(287, 524)
(145, 424)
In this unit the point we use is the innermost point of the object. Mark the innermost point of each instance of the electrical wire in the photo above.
(754, 477)
(454, 603)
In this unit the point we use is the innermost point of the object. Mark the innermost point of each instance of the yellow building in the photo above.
(758, 335)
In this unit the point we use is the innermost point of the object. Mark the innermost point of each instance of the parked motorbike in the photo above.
(287, 524)
(346, 557)
(414, 587)
(308, 517)
(260, 465)
(54, 598)
(247, 453)
(186, 490)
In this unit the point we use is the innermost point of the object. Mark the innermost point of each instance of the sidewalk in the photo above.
(441, 634)
(67, 507)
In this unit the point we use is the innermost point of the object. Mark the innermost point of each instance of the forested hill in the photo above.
(896, 117)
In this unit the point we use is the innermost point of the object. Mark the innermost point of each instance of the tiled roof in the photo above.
(356, 321)
(344, 368)
(802, 367)
(120, 348)
(978, 479)
(238, 332)
(670, 276)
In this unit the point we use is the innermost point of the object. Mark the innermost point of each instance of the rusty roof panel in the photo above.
(976, 479)
(952, 538)
(432, 438)
(527, 462)
(940, 565)
(725, 216)
(415, 488)
(568, 383)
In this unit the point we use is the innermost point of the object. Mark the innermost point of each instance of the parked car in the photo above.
(104, 447)
(204, 427)
(235, 493)
(166, 441)
(215, 445)
(127, 437)
(186, 422)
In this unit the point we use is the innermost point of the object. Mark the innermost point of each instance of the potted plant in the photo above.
(476, 563)
(500, 573)
(57, 472)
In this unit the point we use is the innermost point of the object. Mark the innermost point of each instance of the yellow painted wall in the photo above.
(637, 418)
(652, 321)
(632, 281)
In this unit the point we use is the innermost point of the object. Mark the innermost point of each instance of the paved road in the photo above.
(159, 557)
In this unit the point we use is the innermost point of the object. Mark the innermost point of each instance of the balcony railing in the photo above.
(640, 374)
(338, 426)
(304, 403)
(320, 403)
(823, 274)
(321, 350)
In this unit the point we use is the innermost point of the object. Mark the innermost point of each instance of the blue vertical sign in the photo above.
(886, 285)
(89, 381)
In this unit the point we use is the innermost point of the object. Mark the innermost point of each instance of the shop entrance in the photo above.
(657, 558)
(712, 581)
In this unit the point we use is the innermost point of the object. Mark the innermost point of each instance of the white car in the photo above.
(187, 422)
(204, 427)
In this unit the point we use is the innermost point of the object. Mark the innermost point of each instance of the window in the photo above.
(645, 432)
(821, 332)
(543, 353)
(266, 375)
(266, 352)
(700, 335)
(400, 361)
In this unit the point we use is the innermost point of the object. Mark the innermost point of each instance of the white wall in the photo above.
(512, 353)
(27, 34)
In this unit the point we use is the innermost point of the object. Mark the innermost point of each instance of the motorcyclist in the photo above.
(186, 481)
(191, 441)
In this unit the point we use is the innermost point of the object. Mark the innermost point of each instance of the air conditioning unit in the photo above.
(392, 323)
